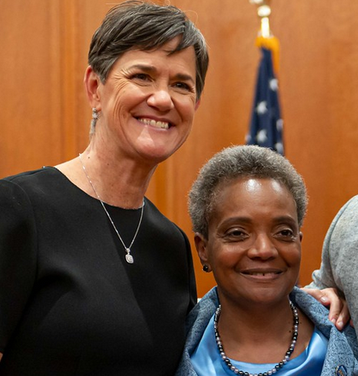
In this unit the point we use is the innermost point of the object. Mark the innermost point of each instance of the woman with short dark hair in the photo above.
(94, 279)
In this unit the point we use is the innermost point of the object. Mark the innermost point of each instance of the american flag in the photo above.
(266, 126)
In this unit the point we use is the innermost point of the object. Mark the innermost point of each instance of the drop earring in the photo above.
(94, 119)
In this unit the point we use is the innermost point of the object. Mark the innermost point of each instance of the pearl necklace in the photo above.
(129, 258)
(278, 366)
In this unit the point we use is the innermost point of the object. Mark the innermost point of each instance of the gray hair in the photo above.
(145, 26)
(242, 162)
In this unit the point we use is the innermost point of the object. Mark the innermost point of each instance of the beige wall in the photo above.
(44, 116)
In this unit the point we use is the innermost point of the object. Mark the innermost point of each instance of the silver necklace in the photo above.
(278, 366)
(129, 258)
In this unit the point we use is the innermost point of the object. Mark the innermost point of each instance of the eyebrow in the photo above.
(286, 219)
(143, 67)
(153, 69)
(247, 220)
(184, 77)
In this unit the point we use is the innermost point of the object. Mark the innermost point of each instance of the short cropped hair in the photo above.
(138, 25)
(242, 162)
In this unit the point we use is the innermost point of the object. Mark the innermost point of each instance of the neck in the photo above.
(256, 334)
(258, 353)
(117, 182)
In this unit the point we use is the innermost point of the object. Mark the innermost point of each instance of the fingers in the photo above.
(322, 296)
(343, 316)
(338, 309)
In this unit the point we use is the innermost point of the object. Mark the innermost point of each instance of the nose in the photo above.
(161, 100)
(262, 248)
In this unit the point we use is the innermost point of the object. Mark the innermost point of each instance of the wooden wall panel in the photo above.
(30, 102)
(45, 116)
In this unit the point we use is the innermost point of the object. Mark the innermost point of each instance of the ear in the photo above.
(92, 82)
(200, 245)
(197, 104)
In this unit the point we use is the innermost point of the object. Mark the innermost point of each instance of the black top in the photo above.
(69, 302)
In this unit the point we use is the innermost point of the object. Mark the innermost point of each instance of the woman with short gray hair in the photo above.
(247, 207)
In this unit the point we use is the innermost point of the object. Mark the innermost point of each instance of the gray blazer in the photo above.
(339, 264)
(342, 350)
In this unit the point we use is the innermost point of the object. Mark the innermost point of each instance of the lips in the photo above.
(155, 123)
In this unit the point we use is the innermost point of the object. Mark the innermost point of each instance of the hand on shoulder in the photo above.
(338, 308)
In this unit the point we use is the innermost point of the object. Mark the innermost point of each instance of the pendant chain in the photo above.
(129, 258)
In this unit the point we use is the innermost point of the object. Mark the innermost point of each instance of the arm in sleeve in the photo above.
(336, 245)
(17, 256)
(192, 281)
(191, 273)
(339, 265)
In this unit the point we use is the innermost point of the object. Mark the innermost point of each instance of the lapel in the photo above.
(340, 360)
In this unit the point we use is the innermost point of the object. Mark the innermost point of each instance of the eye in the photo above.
(286, 235)
(143, 77)
(183, 86)
(236, 234)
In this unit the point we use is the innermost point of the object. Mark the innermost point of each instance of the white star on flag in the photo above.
(261, 107)
(279, 147)
(273, 83)
(279, 125)
(262, 136)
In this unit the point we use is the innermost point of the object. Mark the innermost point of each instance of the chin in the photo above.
(269, 297)
(158, 153)
(155, 157)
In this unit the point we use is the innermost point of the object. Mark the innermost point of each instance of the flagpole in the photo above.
(263, 11)
(265, 37)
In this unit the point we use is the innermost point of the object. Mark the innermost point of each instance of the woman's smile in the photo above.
(266, 274)
(155, 123)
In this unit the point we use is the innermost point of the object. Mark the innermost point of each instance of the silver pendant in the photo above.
(129, 258)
